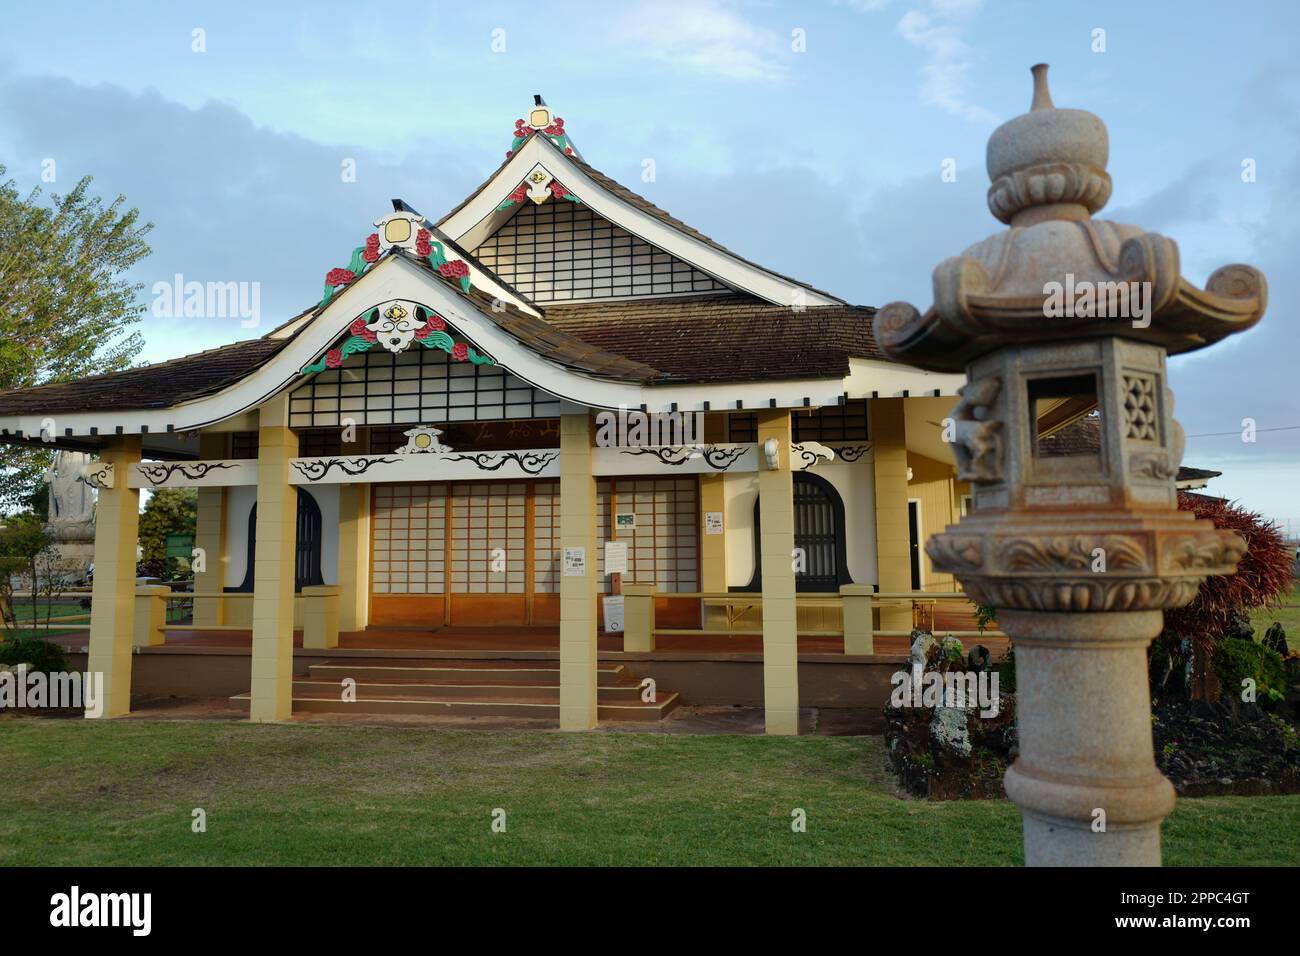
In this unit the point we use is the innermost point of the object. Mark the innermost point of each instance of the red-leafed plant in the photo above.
(1263, 574)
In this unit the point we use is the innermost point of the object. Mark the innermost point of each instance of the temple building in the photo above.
(484, 409)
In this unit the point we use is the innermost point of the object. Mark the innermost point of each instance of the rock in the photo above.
(948, 730)
(1275, 639)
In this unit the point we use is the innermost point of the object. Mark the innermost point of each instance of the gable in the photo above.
(538, 163)
(565, 252)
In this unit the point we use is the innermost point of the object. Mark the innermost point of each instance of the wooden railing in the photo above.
(857, 603)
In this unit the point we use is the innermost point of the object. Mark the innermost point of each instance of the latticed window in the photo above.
(409, 548)
(418, 386)
(488, 530)
(831, 423)
(562, 251)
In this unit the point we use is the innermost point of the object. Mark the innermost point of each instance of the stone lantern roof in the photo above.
(1056, 273)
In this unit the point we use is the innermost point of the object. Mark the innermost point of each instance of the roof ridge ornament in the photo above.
(542, 120)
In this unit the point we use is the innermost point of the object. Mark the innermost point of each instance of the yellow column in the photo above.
(893, 543)
(577, 592)
(273, 573)
(713, 547)
(354, 557)
(776, 545)
(112, 600)
(210, 536)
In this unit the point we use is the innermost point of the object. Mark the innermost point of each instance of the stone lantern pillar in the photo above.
(1065, 429)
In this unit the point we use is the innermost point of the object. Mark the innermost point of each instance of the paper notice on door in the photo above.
(613, 613)
(713, 522)
(616, 557)
(575, 562)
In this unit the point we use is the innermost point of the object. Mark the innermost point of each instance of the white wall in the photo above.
(240, 501)
(856, 485)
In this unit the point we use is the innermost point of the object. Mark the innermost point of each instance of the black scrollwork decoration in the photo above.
(719, 459)
(530, 463)
(162, 472)
(314, 469)
(851, 453)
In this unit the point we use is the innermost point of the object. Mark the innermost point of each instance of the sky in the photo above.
(809, 136)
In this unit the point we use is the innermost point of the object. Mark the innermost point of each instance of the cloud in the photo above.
(231, 201)
(702, 36)
(949, 57)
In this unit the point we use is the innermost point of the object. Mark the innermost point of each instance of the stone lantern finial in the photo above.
(1060, 319)
(1048, 163)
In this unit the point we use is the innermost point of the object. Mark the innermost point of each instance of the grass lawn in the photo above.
(1288, 613)
(89, 793)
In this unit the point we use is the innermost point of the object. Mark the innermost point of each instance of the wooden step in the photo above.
(499, 707)
(323, 687)
(471, 671)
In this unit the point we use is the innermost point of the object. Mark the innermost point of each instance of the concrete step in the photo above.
(457, 671)
(402, 686)
(488, 707)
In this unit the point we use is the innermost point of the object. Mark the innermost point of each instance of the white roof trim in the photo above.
(398, 278)
(471, 225)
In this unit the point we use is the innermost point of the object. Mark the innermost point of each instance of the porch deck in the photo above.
(530, 642)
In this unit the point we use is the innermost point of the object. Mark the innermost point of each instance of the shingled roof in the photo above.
(725, 338)
(150, 386)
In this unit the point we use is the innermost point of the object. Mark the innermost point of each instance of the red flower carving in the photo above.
(333, 358)
(460, 352)
(372, 241)
(557, 190)
(453, 269)
(338, 277)
(370, 255)
(519, 195)
(559, 121)
(422, 248)
(436, 323)
(568, 151)
(359, 327)
(422, 235)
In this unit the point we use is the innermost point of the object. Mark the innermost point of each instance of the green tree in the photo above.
(23, 543)
(66, 307)
(168, 511)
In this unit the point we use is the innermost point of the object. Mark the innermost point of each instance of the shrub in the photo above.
(36, 652)
(1263, 574)
(1236, 659)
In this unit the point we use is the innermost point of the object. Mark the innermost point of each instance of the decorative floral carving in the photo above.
(1072, 553)
(956, 552)
(395, 327)
(1213, 553)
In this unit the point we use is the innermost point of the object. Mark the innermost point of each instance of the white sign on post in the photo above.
(713, 522)
(614, 613)
(575, 562)
(616, 557)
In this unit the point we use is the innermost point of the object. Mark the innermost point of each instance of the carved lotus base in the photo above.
(1071, 562)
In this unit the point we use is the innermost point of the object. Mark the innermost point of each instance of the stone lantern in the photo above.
(1062, 323)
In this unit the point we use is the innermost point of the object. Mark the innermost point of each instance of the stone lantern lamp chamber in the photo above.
(1080, 549)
